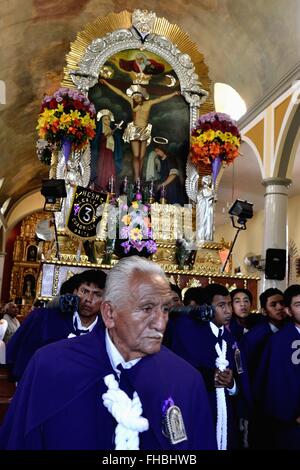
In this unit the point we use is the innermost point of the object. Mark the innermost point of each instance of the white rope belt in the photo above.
(221, 364)
(127, 413)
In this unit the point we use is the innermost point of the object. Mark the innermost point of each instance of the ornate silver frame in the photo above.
(140, 36)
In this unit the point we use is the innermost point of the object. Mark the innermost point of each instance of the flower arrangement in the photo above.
(135, 227)
(215, 136)
(67, 114)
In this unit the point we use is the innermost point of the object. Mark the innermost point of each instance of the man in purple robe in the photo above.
(280, 386)
(254, 342)
(242, 319)
(196, 342)
(46, 325)
(115, 388)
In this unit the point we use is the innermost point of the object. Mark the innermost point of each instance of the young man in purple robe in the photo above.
(213, 351)
(115, 388)
(253, 344)
(242, 319)
(46, 325)
(280, 385)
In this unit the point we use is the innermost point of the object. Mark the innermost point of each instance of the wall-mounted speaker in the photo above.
(275, 263)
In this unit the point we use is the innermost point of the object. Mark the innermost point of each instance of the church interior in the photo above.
(176, 70)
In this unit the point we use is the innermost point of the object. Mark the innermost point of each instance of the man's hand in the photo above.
(224, 379)
(298, 420)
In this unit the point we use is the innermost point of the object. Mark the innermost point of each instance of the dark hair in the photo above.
(244, 291)
(194, 293)
(92, 276)
(176, 289)
(214, 289)
(38, 303)
(289, 293)
(69, 285)
(263, 298)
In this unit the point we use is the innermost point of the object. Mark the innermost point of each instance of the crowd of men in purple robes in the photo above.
(232, 382)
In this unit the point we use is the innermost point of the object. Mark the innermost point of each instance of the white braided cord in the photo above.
(221, 364)
(127, 412)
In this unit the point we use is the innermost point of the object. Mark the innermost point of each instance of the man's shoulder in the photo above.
(55, 351)
(285, 335)
(70, 349)
(180, 368)
(260, 328)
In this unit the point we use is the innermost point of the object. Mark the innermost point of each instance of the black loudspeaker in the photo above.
(275, 263)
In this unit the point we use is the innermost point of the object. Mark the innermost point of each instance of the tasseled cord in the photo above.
(221, 364)
(127, 413)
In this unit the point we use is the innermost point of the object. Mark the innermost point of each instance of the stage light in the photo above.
(53, 190)
(243, 210)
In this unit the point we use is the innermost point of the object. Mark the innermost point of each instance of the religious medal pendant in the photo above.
(173, 425)
(238, 361)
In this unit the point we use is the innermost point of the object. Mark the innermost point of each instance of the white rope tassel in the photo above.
(221, 364)
(127, 413)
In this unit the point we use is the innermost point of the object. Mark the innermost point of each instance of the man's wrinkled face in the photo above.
(90, 298)
(137, 326)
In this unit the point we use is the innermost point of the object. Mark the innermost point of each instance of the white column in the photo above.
(2, 259)
(276, 223)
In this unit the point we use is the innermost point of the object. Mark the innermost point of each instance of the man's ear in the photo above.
(288, 311)
(107, 313)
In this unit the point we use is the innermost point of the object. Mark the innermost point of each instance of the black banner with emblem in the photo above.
(85, 213)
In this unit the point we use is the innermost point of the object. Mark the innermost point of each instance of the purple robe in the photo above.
(237, 330)
(253, 344)
(58, 403)
(42, 326)
(280, 386)
(195, 342)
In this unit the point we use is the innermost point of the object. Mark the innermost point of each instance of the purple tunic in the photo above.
(253, 344)
(58, 403)
(280, 388)
(41, 327)
(195, 342)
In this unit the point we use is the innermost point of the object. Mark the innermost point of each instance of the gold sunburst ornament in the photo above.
(126, 20)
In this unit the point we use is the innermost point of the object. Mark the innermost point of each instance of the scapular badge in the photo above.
(173, 425)
(238, 361)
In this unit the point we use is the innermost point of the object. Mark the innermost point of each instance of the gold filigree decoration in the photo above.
(106, 24)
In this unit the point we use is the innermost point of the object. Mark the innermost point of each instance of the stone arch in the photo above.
(256, 152)
(289, 141)
(32, 202)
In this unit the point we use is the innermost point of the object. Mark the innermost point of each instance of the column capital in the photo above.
(276, 181)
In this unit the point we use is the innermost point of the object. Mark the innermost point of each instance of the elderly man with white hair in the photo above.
(10, 315)
(118, 387)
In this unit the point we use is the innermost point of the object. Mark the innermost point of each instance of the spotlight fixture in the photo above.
(243, 210)
(53, 190)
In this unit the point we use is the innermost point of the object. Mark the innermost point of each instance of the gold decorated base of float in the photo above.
(207, 260)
